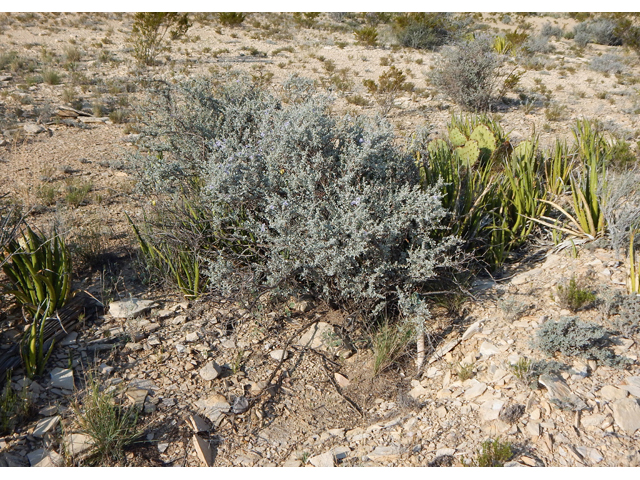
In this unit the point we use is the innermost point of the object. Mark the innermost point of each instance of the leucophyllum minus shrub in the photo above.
(320, 203)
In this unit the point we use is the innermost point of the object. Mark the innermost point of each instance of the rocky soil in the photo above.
(291, 384)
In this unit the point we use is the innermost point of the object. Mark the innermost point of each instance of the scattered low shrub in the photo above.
(391, 84)
(601, 31)
(111, 427)
(231, 19)
(549, 30)
(367, 36)
(51, 77)
(149, 30)
(473, 74)
(493, 453)
(426, 30)
(608, 63)
(574, 296)
(571, 337)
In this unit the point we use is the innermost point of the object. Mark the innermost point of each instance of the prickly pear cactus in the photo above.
(524, 149)
(436, 145)
(486, 140)
(469, 153)
(457, 138)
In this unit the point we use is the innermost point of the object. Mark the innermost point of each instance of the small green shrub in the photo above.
(391, 84)
(571, 337)
(148, 32)
(14, 408)
(493, 453)
(573, 296)
(522, 369)
(367, 36)
(118, 116)
(231, 19)
(389, 342)
(51, 77)
(77, 192)
(465, 371)
(111, 427)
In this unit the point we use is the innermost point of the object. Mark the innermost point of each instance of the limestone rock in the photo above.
(77, 443)
(203, 450)
(278, 354)
(611, 393)
(626, 413)
(198, 424)
(488, 349)
(319, 335)
(210, 371)
(33, 128)
(475, 390)
(214, 407)
(490, 410)
(341, 380)
(130, 308)
(322, 460)
(46, 425)
(560, 394)
(62, 378)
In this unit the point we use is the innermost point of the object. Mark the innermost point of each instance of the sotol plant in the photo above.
(40, 270)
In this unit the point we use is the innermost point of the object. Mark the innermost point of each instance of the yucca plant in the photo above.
(524, 190)
(40, 270)
(557, 168)
(594, 152)
(32, 347)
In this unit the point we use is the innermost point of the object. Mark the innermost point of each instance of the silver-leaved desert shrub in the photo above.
(298, 198)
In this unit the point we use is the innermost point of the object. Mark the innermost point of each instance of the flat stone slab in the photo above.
(137, 396)
(203, 450)
(626, 413)
(632, 385)
(490, 410)
(46, 425)
(210, 371)
(319, 335)
(62, 378)
(322, 460)
(213, 407)
(36, 456)
(380, 452)
(77, 443)
(475, 389)
(51, 459)
(442, 351)
(198, 424)
(560, 394)
(141, 383)
(488, 349)
(130, 308)
(278, 354)
(69, 339)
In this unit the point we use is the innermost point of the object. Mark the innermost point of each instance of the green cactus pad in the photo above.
(457, 138)
(523, 149)
(484, 137)
(469, 153)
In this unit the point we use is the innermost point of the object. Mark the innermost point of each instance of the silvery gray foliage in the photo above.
(601, 31)
(304, 199)
(471, 73)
